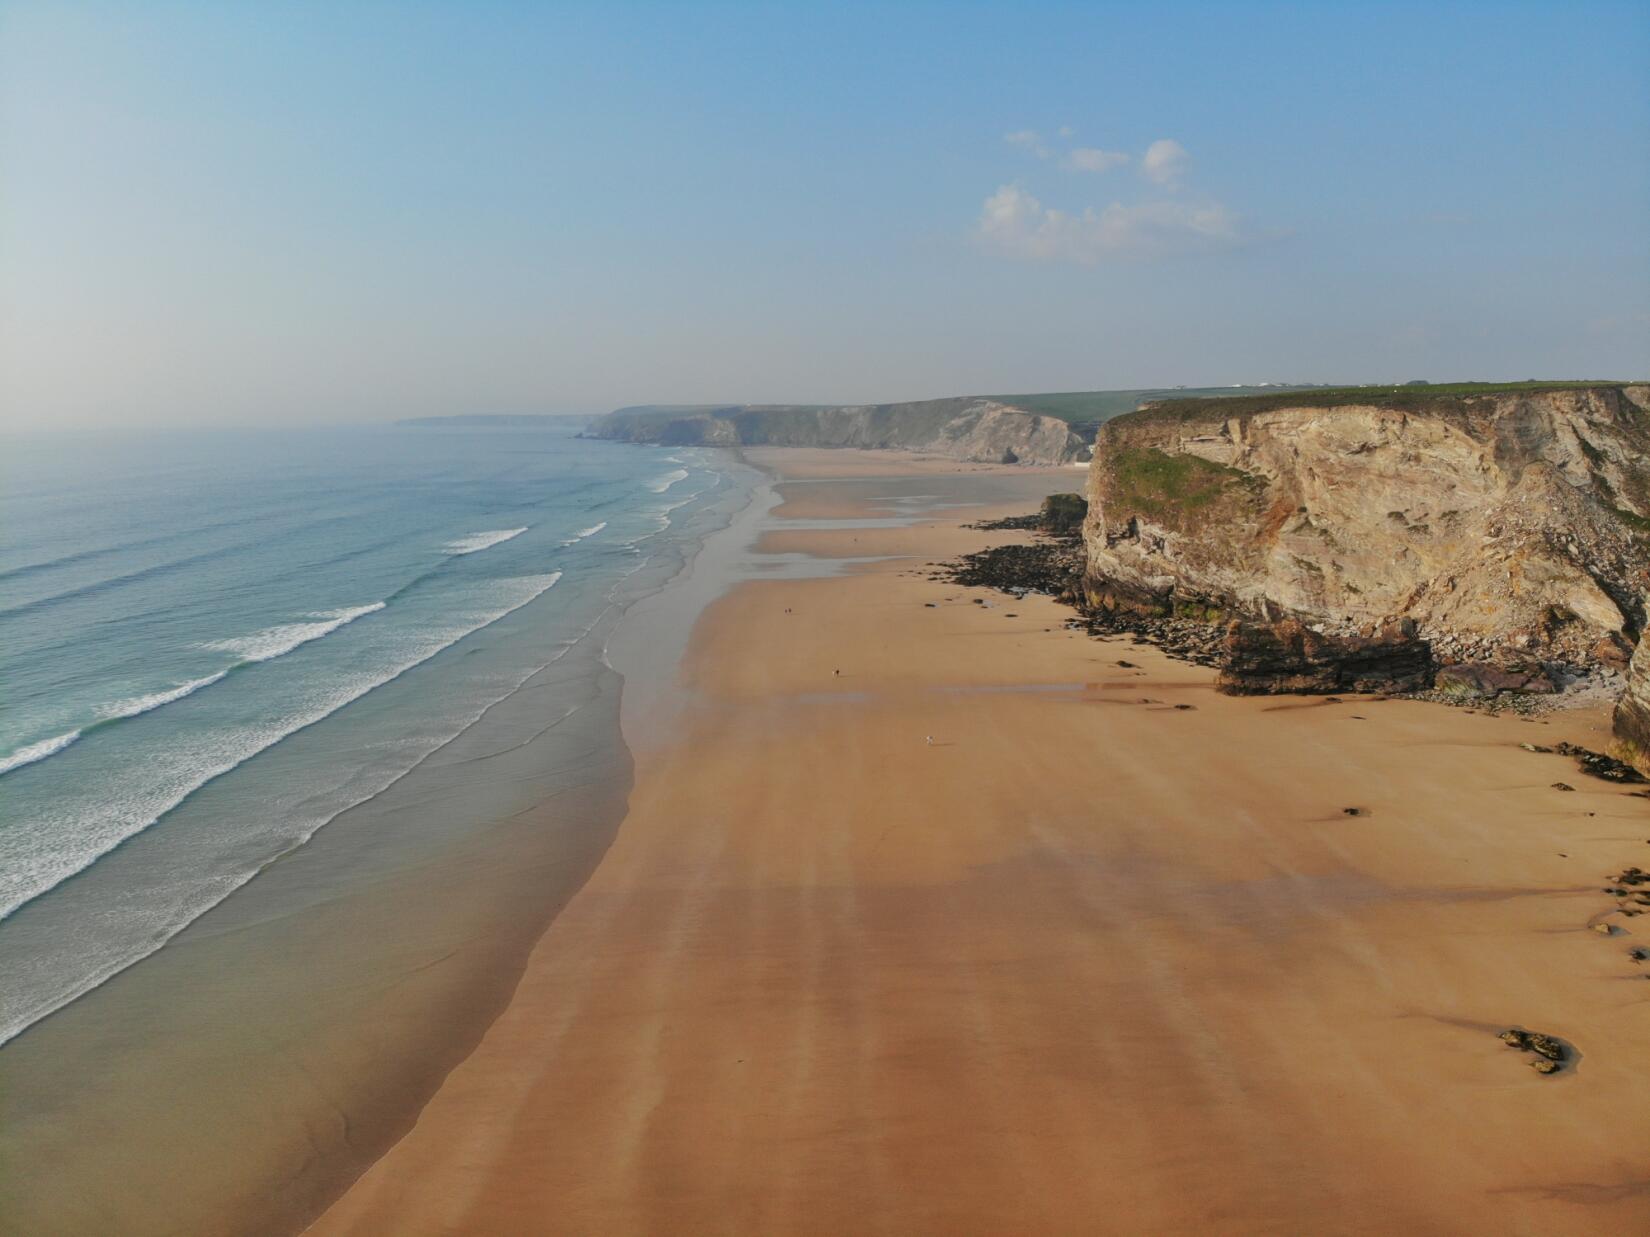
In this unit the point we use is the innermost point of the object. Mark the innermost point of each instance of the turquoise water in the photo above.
(175, 609)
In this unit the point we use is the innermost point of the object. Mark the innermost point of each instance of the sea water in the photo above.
(178, 610)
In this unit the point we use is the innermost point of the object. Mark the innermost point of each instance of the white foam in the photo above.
(22, 1005)
(481, 541)
(588, 532)
(35, 859)
(275, 642)
(663, 483)
(135, 705)
(37, 751)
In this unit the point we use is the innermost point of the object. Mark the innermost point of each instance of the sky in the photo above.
(229, 214)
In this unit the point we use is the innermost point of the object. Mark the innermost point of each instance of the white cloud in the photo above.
(1028, 139)
(1067, 131)
(1015, 223)
(1090, 159)
(1164, 162)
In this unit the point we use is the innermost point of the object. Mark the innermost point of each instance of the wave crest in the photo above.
(476, 542)
(37, 751)
(275, 642)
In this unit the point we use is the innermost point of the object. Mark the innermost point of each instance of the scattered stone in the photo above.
(1474, 679)
(1562, 786)
(1352, 811)
(1597, 764)
(1604, 929)
(1127, 665)
(1550, 1051)
(1185, 707)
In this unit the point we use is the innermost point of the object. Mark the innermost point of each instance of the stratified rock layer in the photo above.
(1506, 525)
(1632, 719)
(1288, 656)
(980, 430)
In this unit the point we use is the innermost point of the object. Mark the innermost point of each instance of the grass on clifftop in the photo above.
(1093, 407)
(1440, 397)
(1163, 485)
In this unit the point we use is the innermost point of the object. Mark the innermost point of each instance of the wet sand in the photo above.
(1087, 962)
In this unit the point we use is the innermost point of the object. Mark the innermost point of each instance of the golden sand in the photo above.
(1086, 963)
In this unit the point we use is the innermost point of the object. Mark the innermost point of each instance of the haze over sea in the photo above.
(197, 631)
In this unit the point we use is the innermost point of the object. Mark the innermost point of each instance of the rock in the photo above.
(1562, 786)
(1543, 1066)
(1509, 525)
(1613, 651)
(1479, 679)
(963, 428)
(1052, 568)
(1547, 1047)
(1604, 929)
(1063, 514)
(1596, 764)
(1290, 657)
(1632, 716)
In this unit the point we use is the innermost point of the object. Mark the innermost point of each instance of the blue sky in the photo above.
(248, 213)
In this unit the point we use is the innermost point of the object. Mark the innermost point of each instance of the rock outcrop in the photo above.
(1632, 721)
(1512, 527)
(980, 430)
(1289, 657)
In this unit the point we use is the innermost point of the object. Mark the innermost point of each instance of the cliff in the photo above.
(977, 429)
(1507, 523)
(1632, 720)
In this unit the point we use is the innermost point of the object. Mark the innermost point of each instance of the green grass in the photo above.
(1094, 407)
(1160, 484)
(1440, 397)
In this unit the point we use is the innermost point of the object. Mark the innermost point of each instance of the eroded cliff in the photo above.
(980, 430)
(1632, 720)
(1507, 525)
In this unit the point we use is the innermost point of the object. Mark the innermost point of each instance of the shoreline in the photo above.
(218, 1084)
(1109, 954)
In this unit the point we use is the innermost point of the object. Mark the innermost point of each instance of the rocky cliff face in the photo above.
(1513, 525)
(980, 430)
(1633, 712)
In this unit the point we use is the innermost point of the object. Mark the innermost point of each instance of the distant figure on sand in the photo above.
(930, 739)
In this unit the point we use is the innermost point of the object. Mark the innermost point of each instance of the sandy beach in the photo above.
(932, 916)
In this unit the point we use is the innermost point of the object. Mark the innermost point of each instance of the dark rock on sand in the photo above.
(1550, 1052)
(1290, 657)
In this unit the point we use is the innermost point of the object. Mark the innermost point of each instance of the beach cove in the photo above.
(927, 914)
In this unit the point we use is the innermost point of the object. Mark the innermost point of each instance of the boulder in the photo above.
(1483, 679)
(1289, 657)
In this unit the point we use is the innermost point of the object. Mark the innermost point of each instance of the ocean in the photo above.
(212, 645)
